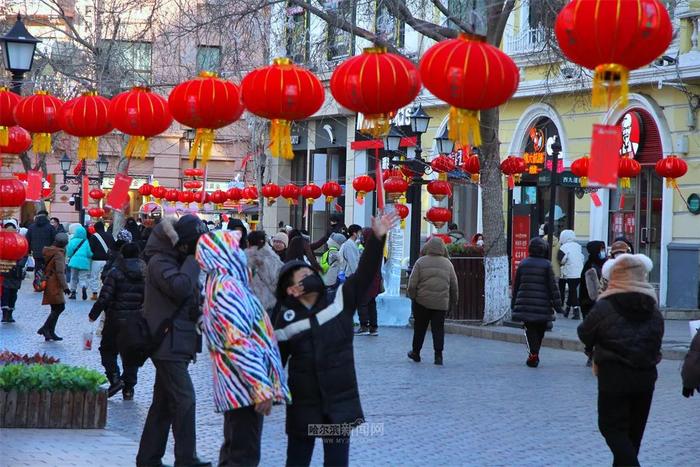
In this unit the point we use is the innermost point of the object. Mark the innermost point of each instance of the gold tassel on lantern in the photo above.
(203, 143)
(137, 146)
(610, 82)
(475, 178)
(464, 127)
(625, 183)
(376, 125)
(281, 139)
(442, 176)
(87, 147)
(584, 182)
(41, 143)
(4, 136)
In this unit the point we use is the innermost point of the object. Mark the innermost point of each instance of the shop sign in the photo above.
(632, 133)
(108, 183)
(520, 241)
(402, 118)
(694, 203)
(538, 154)
(565, 179)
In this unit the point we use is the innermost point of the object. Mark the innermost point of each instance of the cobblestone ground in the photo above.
(484, 407)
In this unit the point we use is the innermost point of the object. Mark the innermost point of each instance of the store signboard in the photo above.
(136, 182)
(520, 241)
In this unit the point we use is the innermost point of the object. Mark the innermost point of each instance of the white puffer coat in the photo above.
(572, 262)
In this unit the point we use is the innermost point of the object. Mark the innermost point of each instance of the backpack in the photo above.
(325, 265)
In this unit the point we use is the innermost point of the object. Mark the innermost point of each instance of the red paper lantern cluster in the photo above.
(438, 216)
(311, 193)
(192, 184)
(395, 187)
(146, 189)
(159, 192)
(439, 189)
(8, 102)
(219, 197)
(234, 194)
(671, 168)
(514, 167)
(38, 114)
(86, 117)
(363, 184)
(193, 172)
(249, 194)
(472, 166)
(627, 169)
(331, 190)
(580, 167)
(271, 192)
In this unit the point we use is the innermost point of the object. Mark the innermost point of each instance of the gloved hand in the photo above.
(688, 392)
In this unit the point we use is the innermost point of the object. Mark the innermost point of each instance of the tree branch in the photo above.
(428, 29)
(457, 21)
(497, 20)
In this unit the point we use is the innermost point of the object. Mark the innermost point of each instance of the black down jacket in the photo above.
(40, 235)
(101, 243)
(317, 344)
(535, 291)
(122, 291)
(13, 278)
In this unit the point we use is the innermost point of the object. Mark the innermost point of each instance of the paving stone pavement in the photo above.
(484, 407)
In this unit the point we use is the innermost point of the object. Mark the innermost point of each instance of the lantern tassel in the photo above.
(329, 199)
(137, 146)
(41, 143)
(203, 143)
(625, 183)
(671, 183)
(403, 223)
(610, 82)
(360, 198)
(584, 182)
(4, 136)
(376, 125)
(464, 127)
(442, 176)
(475, 178)
(281, 139)
(87, 147)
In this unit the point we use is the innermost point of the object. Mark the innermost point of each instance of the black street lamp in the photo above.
(189, 134)
(443, 143)
(392, 140)
(65, 162)
(18, 47)
(419, 125)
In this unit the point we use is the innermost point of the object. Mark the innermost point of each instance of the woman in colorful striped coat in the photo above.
(248, 373)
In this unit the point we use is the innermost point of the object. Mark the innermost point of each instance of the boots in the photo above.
(10, 319)
(438, 357)
(5, 315)
(84, 293)
(94, 296)
(577, 313)
(567, 310)
(72, 295)
(414, 356)
(115, 385)
(48, 330)
(533, 360)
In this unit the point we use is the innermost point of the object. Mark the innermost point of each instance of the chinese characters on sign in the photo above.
(520, 239)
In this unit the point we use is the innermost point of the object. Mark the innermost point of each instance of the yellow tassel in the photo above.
(671, 183)
(41, 143)
(610, 82)
(403, 223)
(4, 136)
(87, 147)
(442, 176)
(584, 182)
(137, 146)
(625, 183)
(281, 139)
(475, 178)
(310, 201)
(464, 127)
(376, 125)
(202, 145)
(517, 178)
(329, 199)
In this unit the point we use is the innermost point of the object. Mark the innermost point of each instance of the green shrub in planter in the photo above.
(56, 377)
(464, 250)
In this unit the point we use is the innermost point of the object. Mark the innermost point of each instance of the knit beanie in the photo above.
(61, 240)
(338, 238)
(281, 237)
(189, 228)
(125, 236)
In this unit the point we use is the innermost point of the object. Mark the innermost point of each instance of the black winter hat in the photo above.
(130, 250)
(538, 248)
(189, 228)
(285, 271)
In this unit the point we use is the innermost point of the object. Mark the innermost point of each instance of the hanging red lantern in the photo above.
(291, 192)
(439, 189)
(612, 38)
(202, 197)
(192, 184)
(13, 247)
(206, 103)
(271, 192)
(193, 172)
(579, 168)
(470, 75)
(671, 168)
(311, 193)
(96, 212)
(395, 187)
(438, 216)
(140, 114)
(86, 117)
(219, 197)
(18, 141)
(628, 168)
(376, 84)
(403, 211)
(282, 92)
(12, 195)
(96, 194)
(234, 194)
(171, 195)
(442, 165)
(331, 190)
(187, 197)
(8, 102)
(38, 114)
(363, 184)
(146, 189)
(407, 172)
(159, 192)
(388, 173)
(513, 167)
(249, 194)
(472, 166)
(181, 196)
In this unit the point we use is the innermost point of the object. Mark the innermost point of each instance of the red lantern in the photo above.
(18, 141)
(388, 173)
(311, 192)
(291, 192)
(579, 168)
(219, 197)
(671, 168)
(443, 164)
(470, 75)
(171, 195)
(96, 194)
(205, 103)
(438, 216)
(395, 187)
(140, 114)
(96, 212)
(282, 92)
(407, 172)
(627, 168)
(613, 38)
(192, 184)
(86, 117)
(439, 189)
(12, 195)
(187, 197)
(271, 191)
(472, 166)
(13, 247)
(402, 210)
(446, 239)
(159, 192)
(38, 114)
(234, 194)
(363, 184)
(193, 172)
(376, 84)
(331, 190)
(513, 167)
(181, 196)
(146, 189)
(250, 194)
(8, 102)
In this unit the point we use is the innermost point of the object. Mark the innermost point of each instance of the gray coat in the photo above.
(265, 267)
(172, 282)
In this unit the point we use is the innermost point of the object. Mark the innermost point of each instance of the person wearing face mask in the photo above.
(478, 240)
(172, 293)
(314, 328)
(590, 285)
(350, 252)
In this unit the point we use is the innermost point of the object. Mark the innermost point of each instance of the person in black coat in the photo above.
(101, 244)
(11, 283)
(314, 329)
(535, 297)
(591, 274)
(121, 298)
(40, 235)
(625, 330)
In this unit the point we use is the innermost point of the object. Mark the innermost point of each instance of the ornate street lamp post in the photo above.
(18, 48)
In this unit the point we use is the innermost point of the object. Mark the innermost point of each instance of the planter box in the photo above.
(46, 409)
(470, 280)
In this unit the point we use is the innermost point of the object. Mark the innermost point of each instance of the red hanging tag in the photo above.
(605, 153)
(596, 200)
(118, 198)
(86, 189)
(621, 204)
(34, 185)
(511, 182)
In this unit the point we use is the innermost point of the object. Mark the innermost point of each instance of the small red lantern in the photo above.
(472, 166)
(140, 114)
(86, 117)
(331, 190)
(181, 196)
(13, 247)
(96, 212)
(12, 194)
(363, 184)
(513, 167)
(250, 194)
(234, 194)
(395, 187)
(206, 103)
(38, 114)
(271, 192)
(579, 168)
(439, 189)
(159, 192)
(671, 168)
(291, 192)
(443, 164)
(403, 211)
(628, 168)
(282, 92)
(388, 173)
(187, 197)
(8, 102)
(446, 239)
(376, 84)
(192, 184)
(219, 197)
(171, 195)
(438, 216)
(311, 193)
(146, 189)
(18, 141)
(96, 194)
(193, 172)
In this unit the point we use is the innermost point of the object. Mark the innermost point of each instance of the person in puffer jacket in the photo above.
(571, 261)
(121, 299)
(331, 261)
(79, 257)
(248, 373)
(691, 368)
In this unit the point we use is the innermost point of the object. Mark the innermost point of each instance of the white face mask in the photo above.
(479, 243)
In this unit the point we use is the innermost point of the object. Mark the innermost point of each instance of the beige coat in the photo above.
(433, 282)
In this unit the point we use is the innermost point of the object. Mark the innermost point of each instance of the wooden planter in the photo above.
(46, 409)
(470, 279)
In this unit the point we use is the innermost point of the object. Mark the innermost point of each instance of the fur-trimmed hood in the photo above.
(163, 239)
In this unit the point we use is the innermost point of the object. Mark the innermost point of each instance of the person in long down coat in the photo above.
(571, 261)
(56, 286)
(264, 265)
(535, 297)
(248, 372)
(314, 328)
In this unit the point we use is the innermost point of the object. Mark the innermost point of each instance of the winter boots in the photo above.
(94, 296)
(48, 330)
(115, 385)
(438, 358)
(414, 356)
(7, 314)
(532, 360)
(84, 293)
(72, 295)
(577, 313)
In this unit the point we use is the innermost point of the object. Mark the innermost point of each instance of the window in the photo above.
(297, 34)
(208, 58)
(129, 62)
(339, 41)
(387, 26)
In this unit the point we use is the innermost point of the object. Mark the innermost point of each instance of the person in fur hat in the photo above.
(264, 265)
(625, 330)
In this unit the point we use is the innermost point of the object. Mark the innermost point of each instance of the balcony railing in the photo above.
(529, 40)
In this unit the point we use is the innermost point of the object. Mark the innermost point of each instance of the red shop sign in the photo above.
(520, 242)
